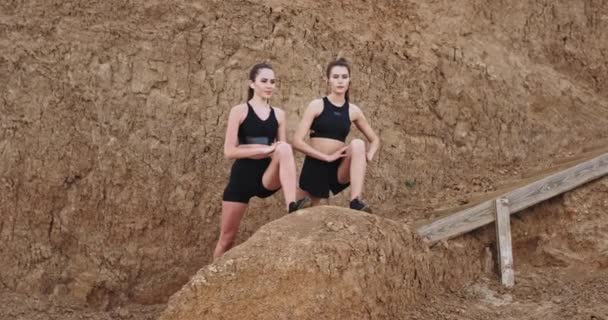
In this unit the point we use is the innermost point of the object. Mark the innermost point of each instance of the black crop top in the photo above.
(255, 131)
(332, 123)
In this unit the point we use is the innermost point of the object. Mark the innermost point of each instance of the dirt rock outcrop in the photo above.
(112, 116)
(323, 263)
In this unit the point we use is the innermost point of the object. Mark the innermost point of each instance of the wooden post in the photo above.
(503, 242)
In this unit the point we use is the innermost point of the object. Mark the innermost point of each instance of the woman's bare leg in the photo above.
(353, 167)
(232, 213)
(281, 173)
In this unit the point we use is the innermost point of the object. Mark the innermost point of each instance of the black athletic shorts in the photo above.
(319, 177)
(246, 180)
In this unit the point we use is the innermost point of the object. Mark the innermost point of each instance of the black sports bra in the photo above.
(254, 130)
(332, 123)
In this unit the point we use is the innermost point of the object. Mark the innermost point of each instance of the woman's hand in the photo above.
(341, 153)
(270, 149)
(369, 156)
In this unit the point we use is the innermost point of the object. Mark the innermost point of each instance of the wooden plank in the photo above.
(525, 179)
(503, 242)
(519, 199)
(458, 223)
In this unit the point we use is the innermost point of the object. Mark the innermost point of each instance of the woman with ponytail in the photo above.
(256, 138)
(331, 164)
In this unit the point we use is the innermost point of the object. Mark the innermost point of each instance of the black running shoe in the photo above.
(359, 205)
(299, 204)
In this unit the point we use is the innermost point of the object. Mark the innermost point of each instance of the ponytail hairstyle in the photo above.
(340, 62)
(253, 73)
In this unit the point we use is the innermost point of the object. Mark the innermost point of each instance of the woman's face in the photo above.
(339, 80)
(264, 83)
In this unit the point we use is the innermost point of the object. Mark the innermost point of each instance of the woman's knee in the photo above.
(227, 239)
(284, 149)
(357, 146)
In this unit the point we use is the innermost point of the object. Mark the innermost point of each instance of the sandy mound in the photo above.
(332, 263)
(322, 263)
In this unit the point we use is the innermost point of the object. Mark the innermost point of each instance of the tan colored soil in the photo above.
(112, 116)
(323, 263)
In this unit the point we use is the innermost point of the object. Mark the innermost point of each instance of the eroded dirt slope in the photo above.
(113, 112)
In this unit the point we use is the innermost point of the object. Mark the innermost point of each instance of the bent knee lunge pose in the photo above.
(255, 137)
(330, 163)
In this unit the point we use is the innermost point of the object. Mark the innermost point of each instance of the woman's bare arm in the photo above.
(363, 126)
(281, 132)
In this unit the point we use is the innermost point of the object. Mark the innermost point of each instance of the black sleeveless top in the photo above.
(255, 131)
(332, 123)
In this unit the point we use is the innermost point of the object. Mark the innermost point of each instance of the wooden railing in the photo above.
(510, 202)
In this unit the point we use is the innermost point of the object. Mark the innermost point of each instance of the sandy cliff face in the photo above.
(113, 115)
